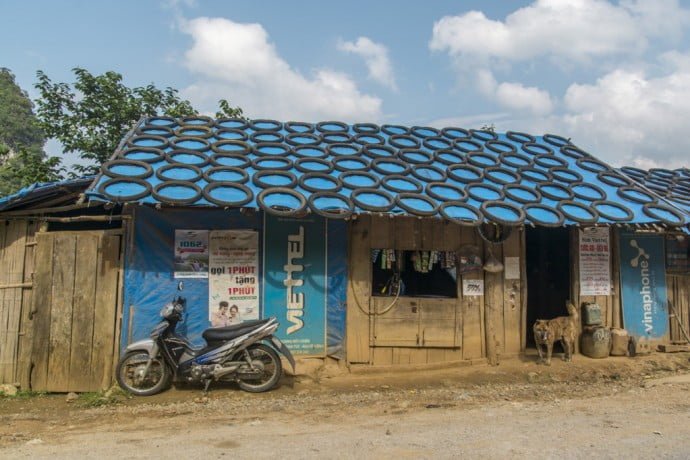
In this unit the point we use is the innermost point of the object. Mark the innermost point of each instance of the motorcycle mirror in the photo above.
(180, 286)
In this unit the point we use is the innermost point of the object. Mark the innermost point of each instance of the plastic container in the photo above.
(595, 341)
(619, 342)
(591, 314)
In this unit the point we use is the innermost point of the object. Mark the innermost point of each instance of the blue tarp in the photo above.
(42, 189)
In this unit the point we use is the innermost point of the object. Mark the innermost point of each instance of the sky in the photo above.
(612, 76)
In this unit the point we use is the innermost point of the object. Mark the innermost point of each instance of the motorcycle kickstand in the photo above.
(207, 383)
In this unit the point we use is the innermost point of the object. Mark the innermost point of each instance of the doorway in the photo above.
(548, 275)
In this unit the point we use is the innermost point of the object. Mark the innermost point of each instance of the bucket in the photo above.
(595, 341)
(619, 342)
(591, 314)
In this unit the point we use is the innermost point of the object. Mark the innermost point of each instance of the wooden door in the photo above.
(75, 310)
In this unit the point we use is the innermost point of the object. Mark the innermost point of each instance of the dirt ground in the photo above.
(610, 408)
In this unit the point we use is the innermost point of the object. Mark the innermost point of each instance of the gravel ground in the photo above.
(637, 408)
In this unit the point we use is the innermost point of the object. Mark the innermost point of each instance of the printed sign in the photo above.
(295, 281)
(643, 285)
(472, 287)
(595, 273)
(191, 254)
(512, 268)
(233, 283)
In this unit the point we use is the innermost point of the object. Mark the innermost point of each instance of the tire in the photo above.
(266, 357)
(150, 386)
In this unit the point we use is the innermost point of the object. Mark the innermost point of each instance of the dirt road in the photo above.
(613, 408)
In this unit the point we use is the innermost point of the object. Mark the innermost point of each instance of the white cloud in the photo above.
(515, 95)
(632, 118)
(375, 56)
(238, 62)
(578, 30)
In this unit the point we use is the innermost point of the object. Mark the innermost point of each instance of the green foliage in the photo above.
(22, 161)
(18, 125)
(92, 115)
(101, 398)
(228, 111)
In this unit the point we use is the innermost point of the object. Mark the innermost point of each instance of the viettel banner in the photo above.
(643, 285)
(295, 281)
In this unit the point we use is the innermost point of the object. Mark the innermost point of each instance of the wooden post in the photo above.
(616, 278)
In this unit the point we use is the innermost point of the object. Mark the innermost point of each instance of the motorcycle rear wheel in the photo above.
(129, 376)
(265, 358)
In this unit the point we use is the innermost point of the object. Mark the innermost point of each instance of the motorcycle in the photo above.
(244, 353)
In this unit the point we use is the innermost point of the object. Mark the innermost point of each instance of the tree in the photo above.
(93, 114)
(22, 160)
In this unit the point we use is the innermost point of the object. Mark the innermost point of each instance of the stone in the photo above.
(71, 397)
(8, 389)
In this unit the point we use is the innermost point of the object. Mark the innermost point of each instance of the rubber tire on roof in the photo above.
(628, 217)
(430, 186)
(647, 209)
(159, 154)
(327, 214)
(175, 144)
(596, 188)
(210, 187)
(177, 201)
(162, 169)
(286, 163)
(256, 179)
(254, 124)
(170, 157)
(521, 214)
(287, 191)
(593, 212)
(312, 175)
(328, 164)
(460, 204)
(507, 190)
(148, 170)
(416, 212)
(117, 180)
(391, 177)
(543, 223)
(372, 208)
(216, 156)
(519, 137)
(207, 174)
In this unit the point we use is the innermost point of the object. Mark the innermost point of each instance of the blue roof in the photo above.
(35, 193)
(336, 169)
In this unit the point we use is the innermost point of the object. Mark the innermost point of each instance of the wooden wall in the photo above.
(16, 262)
(679, 294)
(422, 330)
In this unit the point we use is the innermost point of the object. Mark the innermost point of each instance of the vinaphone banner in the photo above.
(295, 281)
(643, 285)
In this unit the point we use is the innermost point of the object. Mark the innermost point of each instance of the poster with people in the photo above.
(233, 277)
(191, 254)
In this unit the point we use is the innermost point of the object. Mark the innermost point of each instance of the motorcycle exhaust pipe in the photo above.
(222, 371)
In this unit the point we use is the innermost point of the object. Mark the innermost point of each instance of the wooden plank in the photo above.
(673, 348)
(61, 313)
(407, 235)
(358, 291)
(512, 313)
(418, 356)
(472, 306)
(401, 356)
(381, 231)
(13, 296)
(493, 306)
(40, 311)
(382, 356)
(105, 307)
(396, 324)
(437, 322)
(26, 323)
(6, 360)
(83, 314)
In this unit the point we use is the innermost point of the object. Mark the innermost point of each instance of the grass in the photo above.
(101, 398)
(23, 394)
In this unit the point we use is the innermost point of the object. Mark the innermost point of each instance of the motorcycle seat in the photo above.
(219, 334)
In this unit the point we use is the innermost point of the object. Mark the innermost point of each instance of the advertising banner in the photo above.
(233, 283)
(191, 254)
(295, 281)
(595, 260)
(643, 285)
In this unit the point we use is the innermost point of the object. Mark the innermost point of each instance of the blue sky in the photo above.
(613, 76)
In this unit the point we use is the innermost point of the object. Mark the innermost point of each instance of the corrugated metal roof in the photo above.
(337, 169)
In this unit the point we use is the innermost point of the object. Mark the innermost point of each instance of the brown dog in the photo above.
(563, 328)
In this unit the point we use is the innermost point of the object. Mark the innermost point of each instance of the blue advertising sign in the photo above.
(295, 281)
(643, 285)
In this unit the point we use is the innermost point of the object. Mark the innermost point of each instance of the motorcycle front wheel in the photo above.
(130, 374)
(268, 367)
